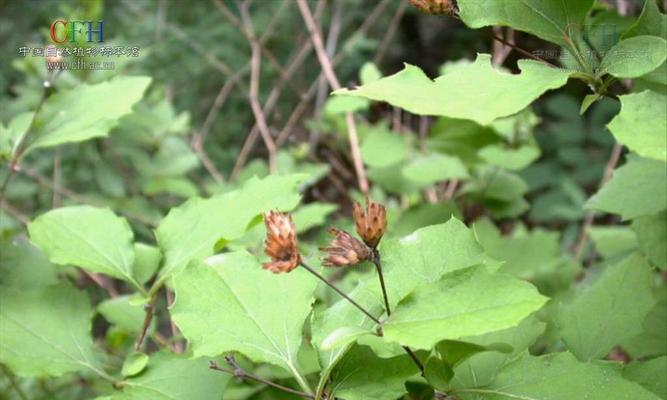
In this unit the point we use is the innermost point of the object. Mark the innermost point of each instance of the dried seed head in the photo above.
(371, 223)
(436, 7)
(345, 250)
(280, 244)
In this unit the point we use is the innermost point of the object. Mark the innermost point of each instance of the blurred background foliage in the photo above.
(521, 181)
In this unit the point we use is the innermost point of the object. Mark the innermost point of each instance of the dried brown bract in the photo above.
(436, 7)
(281, 244)
(371, 222)
(345, 250)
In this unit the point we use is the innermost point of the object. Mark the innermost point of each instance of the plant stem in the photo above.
(378, 267)
(588, 221)
(147, 321)
(340, 292)
(12, 380)
(415, 359)
(240, 373)
(20, 146)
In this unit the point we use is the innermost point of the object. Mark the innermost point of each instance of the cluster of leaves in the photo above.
(490, 315)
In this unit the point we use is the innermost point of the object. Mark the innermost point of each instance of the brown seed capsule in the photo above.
(344, 250)
(436, 7)
(370, 224)
(280, 244)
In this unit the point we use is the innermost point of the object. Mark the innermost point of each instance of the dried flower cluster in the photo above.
(371, 222)
(343, 250)
(281, 244)
(436, 7)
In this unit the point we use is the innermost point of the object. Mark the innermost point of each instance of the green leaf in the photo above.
(361, 375)
(92, 238)
(312, 215)
(588, 101)
(651, 233)
(608, 311)
(383, 147)
(369, 72)
(429, 169)
(421, 215)
(534, 256)
(469, 92)
(87, 111)
(191, 230)
(235, 305)
(439, 367)
(634, 57)
(465, 303)
(497, 184)
(510, 158)
(174, 377)
(637, 188)
(13, 134)
(123, 312)
(46, 332)
(650, 374)
(146, 261)
(421, 257)
(342, 336)
(341, 105)
(613, 240)
(481, 368)
(652, 342)
(134, 363)
(651, 22)
(551, 20)
(642, 123)
(555, 377)
(24, 266)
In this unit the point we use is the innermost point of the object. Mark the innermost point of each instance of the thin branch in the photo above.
(520, 50)
(303, 104)
(219, 101)
(102, 282)
(20, 146)
(57, 177)
(255, 65)
(322, 92)
(12, 380)
(590, 216)
(501, 50)
(335, 84)
(242, 26)
(318, 44)
(378, 267)
(14, 212)
(148, 318)
(391, 31)
(296, 114)
(340, 292)
(514, 47)
(160, 19)
(240, 373)
(451, 189)
(415, 359)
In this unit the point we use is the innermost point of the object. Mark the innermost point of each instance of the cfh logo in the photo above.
(70, 29)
